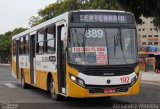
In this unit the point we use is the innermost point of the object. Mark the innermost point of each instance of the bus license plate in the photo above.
(107, 91)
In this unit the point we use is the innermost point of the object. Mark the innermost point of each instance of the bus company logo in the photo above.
(108, 81)
(108, 74)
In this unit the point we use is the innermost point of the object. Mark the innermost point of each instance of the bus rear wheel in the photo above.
(53, 94)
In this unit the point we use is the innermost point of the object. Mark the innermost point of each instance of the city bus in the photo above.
(79, 54)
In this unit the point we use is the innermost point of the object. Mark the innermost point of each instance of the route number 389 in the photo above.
(94, 33)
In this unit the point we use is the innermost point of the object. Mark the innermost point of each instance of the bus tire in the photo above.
(23, 84)
(53, 95)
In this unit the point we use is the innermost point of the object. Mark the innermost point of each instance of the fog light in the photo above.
(134, 79)
(81, 82)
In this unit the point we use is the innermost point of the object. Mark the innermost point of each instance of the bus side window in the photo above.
(50, 39)
(40, 41)
(14, 47)
(27, 45)
(24, 45)
(20, 45)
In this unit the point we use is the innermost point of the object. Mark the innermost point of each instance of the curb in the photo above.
(150, 82)
(5, 65)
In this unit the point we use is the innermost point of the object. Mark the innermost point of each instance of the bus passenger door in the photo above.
(17, 59)
(32, 59)
(61, 60)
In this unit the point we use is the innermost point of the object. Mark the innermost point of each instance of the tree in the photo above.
(105, 4)
(34, 21)
(56, 9)
(146, 8)
(5, 43)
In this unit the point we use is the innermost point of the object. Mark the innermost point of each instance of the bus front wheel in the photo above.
(54, 96)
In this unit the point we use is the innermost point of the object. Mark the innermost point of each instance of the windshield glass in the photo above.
(102, 46)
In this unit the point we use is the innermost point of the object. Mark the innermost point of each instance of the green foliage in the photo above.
(56, 9)
(147, 8)
(105, 4)
(5, 43)
(33, 21)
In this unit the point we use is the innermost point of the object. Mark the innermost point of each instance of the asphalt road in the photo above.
(13, 96)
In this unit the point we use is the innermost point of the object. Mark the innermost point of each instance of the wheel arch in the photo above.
(49, 76)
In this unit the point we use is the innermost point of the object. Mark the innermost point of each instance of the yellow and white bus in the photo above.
(80, 54)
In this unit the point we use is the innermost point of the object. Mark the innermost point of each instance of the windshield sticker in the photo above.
(100, 54)
(101, 58)
(88, 49)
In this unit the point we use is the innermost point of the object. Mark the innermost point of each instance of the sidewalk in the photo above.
(5, 65)
(151, 77)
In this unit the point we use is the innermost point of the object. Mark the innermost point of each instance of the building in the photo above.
(148, 44)
(148, 34)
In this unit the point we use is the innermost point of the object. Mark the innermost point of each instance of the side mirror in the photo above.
(63, 33)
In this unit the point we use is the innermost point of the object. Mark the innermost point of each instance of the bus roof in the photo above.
(44, 24)
(62, 16)
(98, 10)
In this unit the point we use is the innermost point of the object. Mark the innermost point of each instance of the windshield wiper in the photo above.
(76, 38)
(117, 41)
(72, 38)
(120, 36)
(84, 38)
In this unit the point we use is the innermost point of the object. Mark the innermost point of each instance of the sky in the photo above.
(16, 13)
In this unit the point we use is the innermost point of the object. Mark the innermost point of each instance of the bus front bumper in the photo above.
(77, 91)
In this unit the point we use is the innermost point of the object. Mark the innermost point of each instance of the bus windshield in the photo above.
(102, 46)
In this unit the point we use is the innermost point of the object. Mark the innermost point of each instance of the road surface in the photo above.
(12, 95)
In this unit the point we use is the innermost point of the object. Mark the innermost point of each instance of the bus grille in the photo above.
(107, 71)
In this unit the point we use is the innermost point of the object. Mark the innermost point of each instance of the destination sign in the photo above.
(102, 17)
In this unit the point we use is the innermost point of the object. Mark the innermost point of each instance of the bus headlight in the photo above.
(77, 80)
(73, 78)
